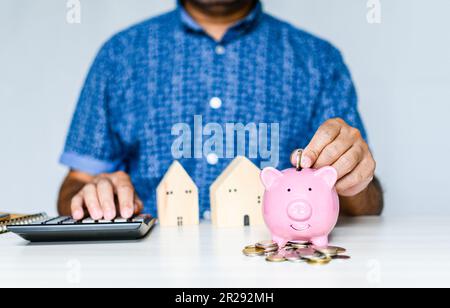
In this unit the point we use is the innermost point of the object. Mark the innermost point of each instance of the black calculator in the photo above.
(66, 229)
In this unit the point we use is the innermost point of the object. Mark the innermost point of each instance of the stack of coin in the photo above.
(269, 247)
(294, 251)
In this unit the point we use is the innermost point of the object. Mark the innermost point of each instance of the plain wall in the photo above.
(401, 68)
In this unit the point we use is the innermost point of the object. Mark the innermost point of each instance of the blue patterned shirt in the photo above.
(167, 70)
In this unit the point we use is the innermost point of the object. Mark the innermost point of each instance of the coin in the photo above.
(299, 160)
(331, 250)
(299, 242)
(322, 260)
(270, 253)
(276, 258)
(266, 244)
(308, 252)
(288, 247)
(293, 256)
(270, 249)
(296, 252)
(299, 245)
(252, 251)
(341, 257)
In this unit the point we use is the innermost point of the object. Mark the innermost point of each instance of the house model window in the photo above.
(236, 195)
(177, 198)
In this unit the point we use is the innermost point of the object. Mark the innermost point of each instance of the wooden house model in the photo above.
(177, 198)
(237, 194)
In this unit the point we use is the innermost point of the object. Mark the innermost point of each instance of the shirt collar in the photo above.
(250, 20)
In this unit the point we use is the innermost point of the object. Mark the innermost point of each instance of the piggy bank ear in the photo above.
(328, 174)
(269, 175)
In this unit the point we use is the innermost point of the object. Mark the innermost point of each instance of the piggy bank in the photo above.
(300, 205)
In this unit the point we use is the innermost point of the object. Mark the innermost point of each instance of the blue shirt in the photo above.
(155, 79)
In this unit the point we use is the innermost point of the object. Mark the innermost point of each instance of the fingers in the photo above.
(341, 146)
(325, 135)
(91, 201)
(355, 190)
(334, 151)
(76, 207)
(99, 198)
(125, 194)
(348, 161)
(105, 193)
(357, 180)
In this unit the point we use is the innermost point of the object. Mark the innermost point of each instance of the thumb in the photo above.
(309, 157)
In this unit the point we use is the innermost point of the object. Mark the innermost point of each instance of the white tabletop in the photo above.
(385, 252)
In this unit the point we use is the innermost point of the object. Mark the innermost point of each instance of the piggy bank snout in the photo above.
(299, 210)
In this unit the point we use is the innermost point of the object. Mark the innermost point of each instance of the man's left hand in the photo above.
(341, 146)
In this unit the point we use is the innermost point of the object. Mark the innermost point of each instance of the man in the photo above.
(227, 61)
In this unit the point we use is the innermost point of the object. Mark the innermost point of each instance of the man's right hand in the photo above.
(104, 196)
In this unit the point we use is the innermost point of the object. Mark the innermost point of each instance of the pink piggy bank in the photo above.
(300, 205)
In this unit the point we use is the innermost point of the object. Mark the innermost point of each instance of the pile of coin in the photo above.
(298, 252)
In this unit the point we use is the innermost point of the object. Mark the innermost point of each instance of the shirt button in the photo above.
(212, 159)
(220, 50)
(215, 103)
(207, 215)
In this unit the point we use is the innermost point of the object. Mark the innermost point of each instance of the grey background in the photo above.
(401, 68)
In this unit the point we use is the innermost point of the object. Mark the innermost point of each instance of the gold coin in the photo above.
(298, 160)
(331, 250)
(319, 260)
(276, 258)
(252, 251)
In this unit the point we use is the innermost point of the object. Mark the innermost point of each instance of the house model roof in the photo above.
(174, 174)
(240, 165)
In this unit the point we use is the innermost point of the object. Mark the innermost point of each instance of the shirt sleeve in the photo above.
(337, 98)
(91, 144)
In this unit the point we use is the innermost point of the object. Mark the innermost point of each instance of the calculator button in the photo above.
(88, 221)
(69, 222)
(56, 221)
(104, 221)
(121, 220)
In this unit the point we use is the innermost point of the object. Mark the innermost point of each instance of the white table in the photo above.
(385, 252)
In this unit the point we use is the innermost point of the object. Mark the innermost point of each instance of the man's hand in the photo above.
(341, 146)
(104, 196)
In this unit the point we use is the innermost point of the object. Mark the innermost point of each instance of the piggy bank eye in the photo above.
(289, 190)
(310, 189)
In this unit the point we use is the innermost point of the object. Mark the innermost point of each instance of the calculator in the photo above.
(66, 229)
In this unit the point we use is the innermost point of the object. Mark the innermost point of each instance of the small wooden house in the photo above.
(177, 198)
(237, 194)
